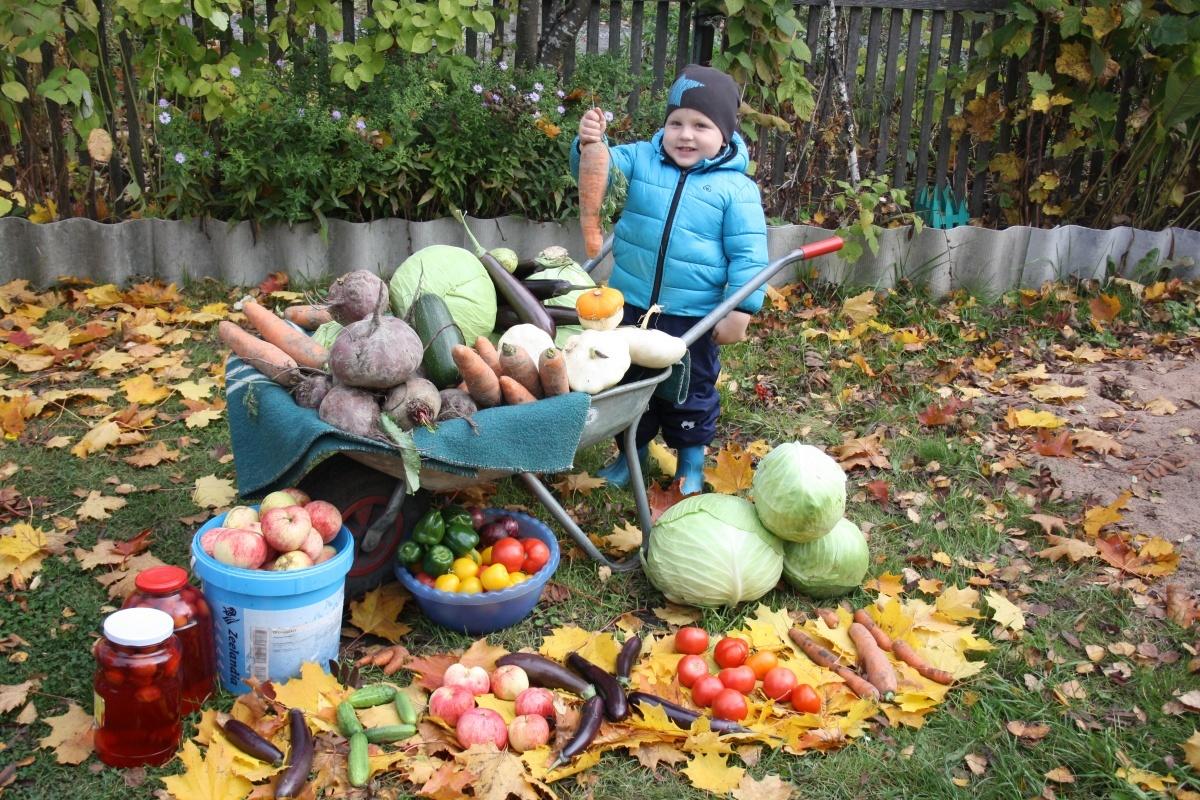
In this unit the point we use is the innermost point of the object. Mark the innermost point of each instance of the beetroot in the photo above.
(352, 410)
(376, 353)
(412, 403)
(312, 390)
(456, 403)
(356, 296)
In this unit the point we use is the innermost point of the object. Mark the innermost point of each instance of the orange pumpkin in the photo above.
(600, 309)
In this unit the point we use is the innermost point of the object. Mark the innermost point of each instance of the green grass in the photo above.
(961, 510)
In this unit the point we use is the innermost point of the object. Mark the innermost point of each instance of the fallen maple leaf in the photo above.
(661, 499)
(1181, 606)
(379, 610)
(1060, 775)
(142, 390)
(104, 553)
(213, 492)
(1053, 445)
(152, 456)
(315, 691)
(625, 537)
(1049, 523)
(1156, 558)
(1191, 751)
(863, 451)
(99, 507)
(14, 695)
(1098, 517)
(861, 307)
(711, 772)
(70, 735)
(1160, 407)
(501, 773)
(1028, 418)
(580, 482)
(274, 282)
(934, 414)
(878, 489)
(1028, 730)
(1096, 441)
(771, 787)
(1057, 393)
(1005, 612)
(207, 777)
(134, 544)
(120, 582)
(734, 471)
(103, 435)
(1073, 549)
(677, 615)
(1105, 307)
(1146, 778)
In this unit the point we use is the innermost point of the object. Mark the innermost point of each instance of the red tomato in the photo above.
(691, 640)
(509, 552)
(425, 579)
(739, 678)
(536, 556)
(530, 542)
(705, 690)
(762, 662)
(806, 699)
(731, 652)
(690, 669)
(778, 683)
(730, 704)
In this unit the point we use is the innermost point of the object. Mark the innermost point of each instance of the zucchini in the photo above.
(358, 766)
(433, 323)
(374, 695)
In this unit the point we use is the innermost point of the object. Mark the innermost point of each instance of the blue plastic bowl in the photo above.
(487, 611)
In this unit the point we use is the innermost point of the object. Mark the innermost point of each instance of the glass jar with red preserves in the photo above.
(167, 589)
(136, 689)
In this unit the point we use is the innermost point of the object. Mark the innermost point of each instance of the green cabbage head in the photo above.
(710, 550)
(799, 492)
(833, 565)
(454, 274)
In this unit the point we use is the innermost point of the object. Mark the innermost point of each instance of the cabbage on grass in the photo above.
(710, 550)
(455, 275)
(831, 566)
(799, 492)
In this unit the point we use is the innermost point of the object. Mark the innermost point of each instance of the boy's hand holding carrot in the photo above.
(591, 126)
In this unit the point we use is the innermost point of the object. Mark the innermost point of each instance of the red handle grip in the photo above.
(821, 248)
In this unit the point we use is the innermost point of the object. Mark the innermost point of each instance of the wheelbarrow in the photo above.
(370, 489)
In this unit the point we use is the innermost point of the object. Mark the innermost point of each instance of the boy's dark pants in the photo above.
(693, 422)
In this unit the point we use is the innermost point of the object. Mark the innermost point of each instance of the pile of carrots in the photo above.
(494, 378)
(281, 351)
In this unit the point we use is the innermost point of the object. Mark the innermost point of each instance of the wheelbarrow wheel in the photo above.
(361, 494)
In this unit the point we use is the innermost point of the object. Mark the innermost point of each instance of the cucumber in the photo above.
(374, 695)
(347, 720)
(404, 707)
(433, 323)
(358, 767)
(389, 733)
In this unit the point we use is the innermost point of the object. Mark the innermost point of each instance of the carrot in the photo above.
(398, 660)
(514, 393)
(905, 652)
(516, 363)
(308, 317)
(830, 617)
(487, 351)
(875, 662)
(303, 348)
(552, 372)
(482, 383)
(263, 356)
(882, 639)
(593, 182)
(823, 658)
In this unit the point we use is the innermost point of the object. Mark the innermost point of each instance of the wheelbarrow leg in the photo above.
(636, 482)
(560, 514)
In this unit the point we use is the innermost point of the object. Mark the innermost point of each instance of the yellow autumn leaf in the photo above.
(505, 708)
(378, 612)
(315, 691)
(1028, 418)
(1097, 517)
(1005, 612)
(861, 307)
(767, 629)
(56, 336)
(196, 390)
(733, 472)
(31, 362)
(888, 583)
(666, 460)
(70, 735)
(207, 777)
(144, 391)
(97, 506)
(103, 435)
(1146, 778)
(564, 640)
(213, 492)
(1103, 19)
(711, 772)
(1191, 751)
(22, 541)
(1007, 165)
(1057, 393)
(625, 537)
(958, 604)
(1073, 61)
(111, 360)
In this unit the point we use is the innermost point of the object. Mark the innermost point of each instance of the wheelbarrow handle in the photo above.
(802, 253)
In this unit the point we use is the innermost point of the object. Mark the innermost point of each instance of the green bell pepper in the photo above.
(461, 539)
(457, 514)
(409, 552)
(429, 529)
(438, 560)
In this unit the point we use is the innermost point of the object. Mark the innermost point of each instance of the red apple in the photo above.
(536, 700)
(279, 499)
(448, 703)
(286, 528)
(294, 559)
(240, 517)
(326, 519)
(509, 681)
(481, 726)
(299, 496)
(474, 679)
(327, 552)
(313, 546)
(239, 548)
(527, 732)
(209, 538)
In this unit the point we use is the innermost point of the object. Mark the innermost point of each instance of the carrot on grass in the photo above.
(487, 351)
(516, 363)
(823, 658)
(552, 372)
(874, 661)
(263, 356)
(905, 652)
(593, 182)
(308, 317)
(882, 639)
(514, 393)
(482, 383)
(307, 351)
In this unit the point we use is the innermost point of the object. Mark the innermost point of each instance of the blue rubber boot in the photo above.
(616, 472)
(691, 469)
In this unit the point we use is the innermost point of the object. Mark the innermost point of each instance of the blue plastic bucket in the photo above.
(487, 611)
(267, 624)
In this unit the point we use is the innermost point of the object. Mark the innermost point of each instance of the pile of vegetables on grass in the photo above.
(720, 550)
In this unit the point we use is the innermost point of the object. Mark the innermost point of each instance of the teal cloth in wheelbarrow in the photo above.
(275, 441)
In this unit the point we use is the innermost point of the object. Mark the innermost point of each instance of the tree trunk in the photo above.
(559, 36)
(529, 17)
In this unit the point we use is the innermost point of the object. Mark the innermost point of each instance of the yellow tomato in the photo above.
(446, 583)
(470, 586)
(464, 568)
(486, 555)
(517, 577)
(494, 578)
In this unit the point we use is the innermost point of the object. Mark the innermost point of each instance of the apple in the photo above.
(326, 519)
(327, 552)
(255, 526)
(299, 496)
(481, 726)
(240, 517)
(286, 528)
(474, 679)
(313, 545)
(209, 539)
(295, 559)
(509, 681)
(239, 548)
(536, 700)
(448, 703)
(278, 499)
(527, 732)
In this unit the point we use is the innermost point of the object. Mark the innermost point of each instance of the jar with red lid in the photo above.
(136, 689)
(167, 589)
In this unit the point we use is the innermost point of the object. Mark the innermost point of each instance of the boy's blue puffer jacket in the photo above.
(708, 224)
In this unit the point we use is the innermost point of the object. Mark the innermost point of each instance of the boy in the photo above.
(692, 232)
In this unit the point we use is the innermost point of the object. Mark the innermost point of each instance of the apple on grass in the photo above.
(280, 499)
(239, 548)
(448, 703)
(481, 726)
(240, 517)
(326, 519)
(527, 732)
(509, 681)
(536, 700)
(286, 528)
(474, 679)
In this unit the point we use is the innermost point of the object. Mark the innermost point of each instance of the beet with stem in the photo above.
(356, 296)
(312, 390)
(456, 403)
(376, 353)
(412, 403)
(352, 410)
